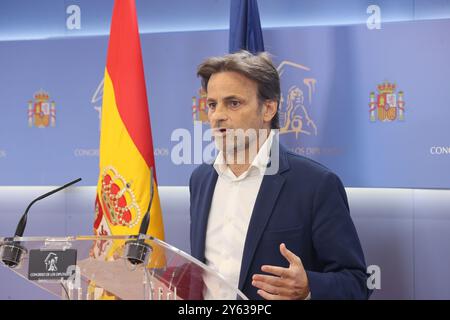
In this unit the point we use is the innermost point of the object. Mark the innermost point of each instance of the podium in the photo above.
(113, 267)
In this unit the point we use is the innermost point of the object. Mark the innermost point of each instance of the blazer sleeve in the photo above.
(336, 244)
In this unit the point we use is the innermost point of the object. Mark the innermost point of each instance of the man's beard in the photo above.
(234, 143)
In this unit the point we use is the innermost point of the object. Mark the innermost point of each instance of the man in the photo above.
(283, 234)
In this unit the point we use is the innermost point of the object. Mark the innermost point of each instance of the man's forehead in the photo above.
(230, 83)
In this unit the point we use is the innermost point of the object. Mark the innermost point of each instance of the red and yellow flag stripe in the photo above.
(126, 145)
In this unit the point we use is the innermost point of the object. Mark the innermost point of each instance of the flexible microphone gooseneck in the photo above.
(137, 251)
(12, 250)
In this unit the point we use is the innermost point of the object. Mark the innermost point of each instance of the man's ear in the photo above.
(269, 110)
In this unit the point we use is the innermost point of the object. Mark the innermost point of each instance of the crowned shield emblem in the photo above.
(387, 105)
(41, 111)
(199, 107)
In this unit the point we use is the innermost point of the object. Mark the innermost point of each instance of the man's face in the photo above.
(232, 100)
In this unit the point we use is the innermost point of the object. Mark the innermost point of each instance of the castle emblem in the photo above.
(295, 110)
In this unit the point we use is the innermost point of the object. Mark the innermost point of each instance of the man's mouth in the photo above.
(220, 131)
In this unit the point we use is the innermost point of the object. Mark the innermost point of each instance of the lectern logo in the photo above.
(41, 111)
(50, 262)
(54, 264)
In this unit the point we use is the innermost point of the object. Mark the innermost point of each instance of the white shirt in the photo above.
(229, 217)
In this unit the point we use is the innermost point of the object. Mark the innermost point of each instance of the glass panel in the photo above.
(105, 271)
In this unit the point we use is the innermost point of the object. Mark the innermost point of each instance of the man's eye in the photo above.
(235, 103)
(212, 105)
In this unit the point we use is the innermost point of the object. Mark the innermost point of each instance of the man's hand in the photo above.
(287, 283)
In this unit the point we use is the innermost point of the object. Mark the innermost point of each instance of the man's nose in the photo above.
(219, 115)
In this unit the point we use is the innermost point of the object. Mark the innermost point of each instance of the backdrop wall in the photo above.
(330, 62)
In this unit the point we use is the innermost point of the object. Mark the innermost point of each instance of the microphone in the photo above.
(12, 250)
(137, 251)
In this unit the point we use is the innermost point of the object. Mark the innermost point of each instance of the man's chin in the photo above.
(228, 148)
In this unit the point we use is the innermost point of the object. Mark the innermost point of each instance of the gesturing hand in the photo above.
(286, 283)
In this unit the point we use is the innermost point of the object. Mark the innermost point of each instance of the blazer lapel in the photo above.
(264, 205)
(207, 190)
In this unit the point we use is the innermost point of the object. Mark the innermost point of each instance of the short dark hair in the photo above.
(257, 67)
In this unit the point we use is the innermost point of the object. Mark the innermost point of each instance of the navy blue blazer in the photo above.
(305, 206)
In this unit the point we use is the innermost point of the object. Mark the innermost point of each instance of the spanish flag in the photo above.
(127, 162)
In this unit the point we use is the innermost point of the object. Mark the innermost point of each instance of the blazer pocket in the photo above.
(282, 234)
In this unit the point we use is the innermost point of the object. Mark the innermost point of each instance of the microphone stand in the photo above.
(12, 250)
(137, 251)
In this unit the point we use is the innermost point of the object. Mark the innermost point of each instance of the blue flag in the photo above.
(245, 27)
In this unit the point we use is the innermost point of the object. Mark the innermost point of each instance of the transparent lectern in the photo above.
(105, 267)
